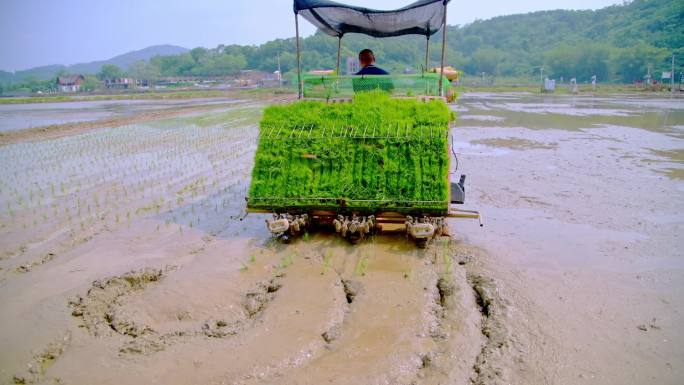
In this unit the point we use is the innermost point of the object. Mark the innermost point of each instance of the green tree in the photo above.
(220, 65)
(199, 54)
(615, 43)
(109, 71)
(91, 83)
(486, 59)
(581, 61)
(143, 70)
(471, 44)
(178, 65)
(62, 72)
(632, 63)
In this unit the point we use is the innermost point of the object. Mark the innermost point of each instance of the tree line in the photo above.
(617, 44)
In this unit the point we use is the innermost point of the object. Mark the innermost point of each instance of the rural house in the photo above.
(69, 83)
(121, 83)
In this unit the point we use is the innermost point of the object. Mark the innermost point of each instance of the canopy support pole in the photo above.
(427, 49)
(441, 67)
(299, 64)
(339, 51)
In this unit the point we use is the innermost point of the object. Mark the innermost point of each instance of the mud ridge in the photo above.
(100, 310)
(256, 299)
(441, 291)
(42, 361)
(445, 288)
(27, 267)
(351, 290)
(487, 369)
(254, 303)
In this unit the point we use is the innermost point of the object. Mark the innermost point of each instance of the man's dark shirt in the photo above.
(372, 70)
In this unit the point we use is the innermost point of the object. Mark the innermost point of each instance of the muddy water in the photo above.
(583, 199)
(125, 259)
(22, 116)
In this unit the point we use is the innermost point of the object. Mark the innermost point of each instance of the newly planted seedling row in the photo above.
(67, 189)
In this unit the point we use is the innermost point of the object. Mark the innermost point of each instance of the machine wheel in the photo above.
(421, 242)
(354, 239)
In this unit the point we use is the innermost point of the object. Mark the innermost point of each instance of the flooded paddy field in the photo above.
(125, 258)
(23, 116)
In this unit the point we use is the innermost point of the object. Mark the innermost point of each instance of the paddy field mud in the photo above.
(126, 257)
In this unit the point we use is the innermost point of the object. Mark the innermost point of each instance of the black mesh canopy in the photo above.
(424, 17)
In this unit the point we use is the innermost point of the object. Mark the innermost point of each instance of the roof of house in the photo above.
(69, 80)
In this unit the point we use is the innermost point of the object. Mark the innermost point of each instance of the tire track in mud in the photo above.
(37, 368)
(48, 254)
(424, 343)
(454, 328)
(463, 337)
(507, 340)
(351, 290)
(488, 367)
(100, 311)
(473, 329)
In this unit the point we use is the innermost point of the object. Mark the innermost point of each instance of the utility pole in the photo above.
(672, 76)
(280, 73)
(541, 77)
(483, 78)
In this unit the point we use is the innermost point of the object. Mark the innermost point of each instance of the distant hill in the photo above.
(38, 73)
(6, 76)
(619, 43)
(616, 43)
(122, 61)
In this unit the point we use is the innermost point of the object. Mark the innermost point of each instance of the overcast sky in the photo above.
(41, 32)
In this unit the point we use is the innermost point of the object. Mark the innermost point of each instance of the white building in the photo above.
(70, 83)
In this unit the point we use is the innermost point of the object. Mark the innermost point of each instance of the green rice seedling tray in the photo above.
(374, 154)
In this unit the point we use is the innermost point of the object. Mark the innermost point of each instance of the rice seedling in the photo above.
(361, 266)
(119, 171)
(374, 152)
(286, 261)
(327, 259)
(446, 256)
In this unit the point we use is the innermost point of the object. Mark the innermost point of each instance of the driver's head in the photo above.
(366, 57)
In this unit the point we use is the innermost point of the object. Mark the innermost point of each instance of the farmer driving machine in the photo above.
(361, 154)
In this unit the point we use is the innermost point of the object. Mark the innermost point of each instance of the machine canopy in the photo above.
(423, 17)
